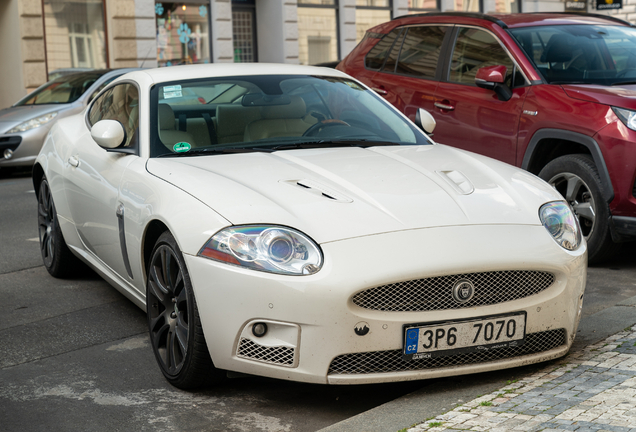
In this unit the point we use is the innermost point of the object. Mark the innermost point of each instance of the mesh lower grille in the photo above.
(436, 293)
(279, 355)
(391, 361)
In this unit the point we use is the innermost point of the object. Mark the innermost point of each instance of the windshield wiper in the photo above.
(209, 151)
(364, 143)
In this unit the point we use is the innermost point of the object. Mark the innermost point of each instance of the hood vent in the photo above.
(458, 181)
(320, 190)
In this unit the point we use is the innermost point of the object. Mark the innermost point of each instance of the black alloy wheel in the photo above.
(175, 329)
(57, 258)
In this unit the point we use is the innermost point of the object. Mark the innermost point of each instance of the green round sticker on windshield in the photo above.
(181, 147)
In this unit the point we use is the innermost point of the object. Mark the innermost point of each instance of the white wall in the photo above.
(277, 31)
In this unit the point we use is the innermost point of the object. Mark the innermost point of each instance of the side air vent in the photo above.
(319, 190)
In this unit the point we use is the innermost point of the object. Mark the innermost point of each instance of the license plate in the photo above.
(456, 337)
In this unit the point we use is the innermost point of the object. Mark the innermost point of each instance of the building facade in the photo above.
(39, 38)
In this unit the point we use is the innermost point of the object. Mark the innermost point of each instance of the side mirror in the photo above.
(425, 121)
(109, 134)
(492, 78)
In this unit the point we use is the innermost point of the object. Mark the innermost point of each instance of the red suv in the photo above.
(553, 93)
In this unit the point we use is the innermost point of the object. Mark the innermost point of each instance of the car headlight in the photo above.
(559, 220)
(628, 117)
(267, 248)
(34, 123)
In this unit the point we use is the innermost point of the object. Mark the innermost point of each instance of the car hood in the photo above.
(338, 193)
(621, 96)
(13, 116)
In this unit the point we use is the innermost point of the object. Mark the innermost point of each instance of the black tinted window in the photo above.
(421, 50)
(473, 50)
(376, 56)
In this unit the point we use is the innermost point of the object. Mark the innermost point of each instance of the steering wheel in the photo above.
(315, 129)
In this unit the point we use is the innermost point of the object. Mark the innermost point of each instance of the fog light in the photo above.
(8, 154)
(259, 329)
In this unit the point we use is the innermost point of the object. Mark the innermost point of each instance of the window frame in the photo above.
(336, 7)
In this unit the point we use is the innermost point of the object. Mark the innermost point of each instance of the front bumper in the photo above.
(623, 228)
(25, 146)
(313, 320)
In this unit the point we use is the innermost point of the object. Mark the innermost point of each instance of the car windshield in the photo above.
(62, 90)
(581, 54)
(268, 113)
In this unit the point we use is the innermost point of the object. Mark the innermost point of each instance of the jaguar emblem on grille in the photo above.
(463, 290)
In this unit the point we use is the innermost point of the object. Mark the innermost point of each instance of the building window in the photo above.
(508, 6)
(183, 33)
(75, 36)
(317, 31)
(419, 6)
(370, 13)
(244, 31)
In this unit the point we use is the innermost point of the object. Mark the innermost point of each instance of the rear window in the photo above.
(377, 55)
(421, 51)
(62, 90)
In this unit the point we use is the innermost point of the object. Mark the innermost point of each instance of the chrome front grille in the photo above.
(391, 361)
(436, 293)
(277, 355)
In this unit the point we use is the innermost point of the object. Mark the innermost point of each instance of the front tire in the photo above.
(175, 328)
(576, 178)
(58, 259)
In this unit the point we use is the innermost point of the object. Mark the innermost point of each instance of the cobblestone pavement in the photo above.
(591, 390)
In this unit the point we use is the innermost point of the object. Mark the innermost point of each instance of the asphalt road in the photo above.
(74, 355)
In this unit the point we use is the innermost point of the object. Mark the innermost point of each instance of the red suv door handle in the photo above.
(380, 91)
(442, 106)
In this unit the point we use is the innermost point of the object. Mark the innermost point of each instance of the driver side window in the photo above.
(475, 49)
(120, 103)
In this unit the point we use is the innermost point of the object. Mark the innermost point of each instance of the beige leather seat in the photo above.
(167, 132)
(280, 121)
(231, 121)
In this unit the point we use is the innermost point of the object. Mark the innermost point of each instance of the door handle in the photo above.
(444, 106)
(73, 161)
(380, 91)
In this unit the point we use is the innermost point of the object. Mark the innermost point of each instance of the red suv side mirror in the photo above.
(492, 78)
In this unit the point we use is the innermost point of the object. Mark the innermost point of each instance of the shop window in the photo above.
(370, 13)
(317, 31)
(75, 36)
(183, 33)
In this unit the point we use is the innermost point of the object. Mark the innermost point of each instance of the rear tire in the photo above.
(576, 178)
(176, 334)
(58, 259)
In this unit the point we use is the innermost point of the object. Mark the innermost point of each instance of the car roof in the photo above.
(510, 20)
(214, 70)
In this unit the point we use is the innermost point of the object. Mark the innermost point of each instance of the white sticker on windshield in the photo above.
(172, 91)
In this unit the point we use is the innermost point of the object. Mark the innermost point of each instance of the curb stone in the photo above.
(591, 390)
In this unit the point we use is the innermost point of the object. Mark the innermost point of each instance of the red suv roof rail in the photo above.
(477, 15)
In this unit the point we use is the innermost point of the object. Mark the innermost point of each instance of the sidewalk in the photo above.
(591, 390)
